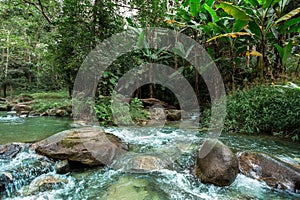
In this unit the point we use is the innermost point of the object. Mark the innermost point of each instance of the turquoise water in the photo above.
(175, 183)
(30, 129)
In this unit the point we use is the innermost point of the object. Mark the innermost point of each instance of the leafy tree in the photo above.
(265, 21)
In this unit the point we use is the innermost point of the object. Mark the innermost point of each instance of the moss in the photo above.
(69, 143)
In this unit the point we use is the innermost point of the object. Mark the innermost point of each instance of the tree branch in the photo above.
(40, 8)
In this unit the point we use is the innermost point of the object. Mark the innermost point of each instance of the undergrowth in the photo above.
(272, 110)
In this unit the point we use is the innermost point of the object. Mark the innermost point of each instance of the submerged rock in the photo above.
(216, 164)
(8, 151)
(89, 146)
(275, 172)
(140, 163)
(45, 182)
(62, 167)
(133, 188)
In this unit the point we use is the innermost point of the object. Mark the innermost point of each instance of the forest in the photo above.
(150, 99)
(254, 44)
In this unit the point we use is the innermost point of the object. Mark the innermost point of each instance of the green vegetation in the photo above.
(105, 115)
(272, 110)
(252, 42)
(49, 100)
(264, 110)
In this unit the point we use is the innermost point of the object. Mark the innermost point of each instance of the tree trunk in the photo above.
(196, 71)
(264, 62)
(11, 90)
(151, 80)
(233, 66)
(248, 57)
(175, 56)
(279, 65)
(298, 66)
(6, 66)
(4, 90)
(3, 59)
(69, 82)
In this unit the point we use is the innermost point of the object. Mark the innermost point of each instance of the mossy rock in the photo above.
(89, 146)
(134, 188)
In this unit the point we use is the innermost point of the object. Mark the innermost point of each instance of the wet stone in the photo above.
(8, 151)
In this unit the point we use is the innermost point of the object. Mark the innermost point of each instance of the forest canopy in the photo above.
(43, 43)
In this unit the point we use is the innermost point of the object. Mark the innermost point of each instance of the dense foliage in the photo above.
(44, 101)
(272, 110)
(106, 115)
(43, 44)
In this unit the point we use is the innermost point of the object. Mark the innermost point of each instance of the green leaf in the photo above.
(294, 29)
(189, 51)
(141, 39)
(194, 7)
(284, 52)
(254, 28)
(280, 50)
(270, 24)
(185, 3)
(288, 16)
(212, 13)
(290, 23)
(239, 25)
(269, 3)
(210, 3)
(216, 28)
(287, 52)
(235, 11)
(254, 3)
(179, 50)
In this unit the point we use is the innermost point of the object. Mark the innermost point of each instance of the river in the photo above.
(106, 183)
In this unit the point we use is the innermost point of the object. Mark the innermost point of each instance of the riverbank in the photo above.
(39, 104)
(261, 110)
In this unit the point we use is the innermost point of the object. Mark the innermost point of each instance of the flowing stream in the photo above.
(168, 143)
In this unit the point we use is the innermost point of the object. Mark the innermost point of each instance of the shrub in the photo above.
(267, 110)
(49, 100)
(137, 111)
(103, 110)
(262, 110)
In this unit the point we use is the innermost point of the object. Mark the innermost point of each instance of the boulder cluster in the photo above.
(215, 163)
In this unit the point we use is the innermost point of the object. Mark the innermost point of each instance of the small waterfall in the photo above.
(21, 170)
(11, 118)
(12, 113)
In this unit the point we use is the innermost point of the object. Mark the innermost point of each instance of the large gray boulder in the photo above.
(275, 172)
(89, 146)
(216, 163)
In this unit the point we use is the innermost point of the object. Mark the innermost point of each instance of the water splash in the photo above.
(21, 170)
(12, 120)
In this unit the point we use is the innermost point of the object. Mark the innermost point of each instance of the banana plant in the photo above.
(284, 52)
(192, 17)
(263, 17)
